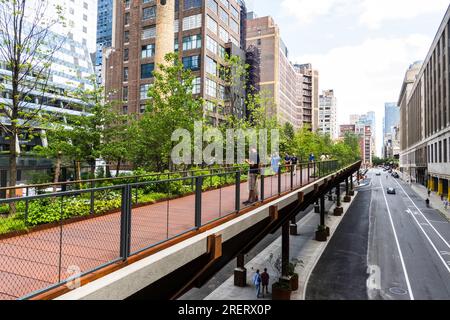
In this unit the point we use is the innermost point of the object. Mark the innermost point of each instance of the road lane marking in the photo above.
(408, 284)
(440, 236)
(447, 266)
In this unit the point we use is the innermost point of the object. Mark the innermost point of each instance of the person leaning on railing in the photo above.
(253, 173)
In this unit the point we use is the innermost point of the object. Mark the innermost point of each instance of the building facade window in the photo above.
(192, 62)
(148, 13)
(211, 88)
(211, 66)
(127, 18)
(234, 12)
(143, 91)
(223, 35)
(125, 94)
(196, 85)
(192, 22)
(234, 26)
(223, 16)
(212, 5)
(147, 70)
(125, 74)
(126, 54)
(211, 24)
(192, 42)
(147, 51)
(126, 36)
(211, 44)
(148, 32)
(445, 151)
(191, 4)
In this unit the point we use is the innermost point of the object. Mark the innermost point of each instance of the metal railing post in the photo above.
(238, 192)
(198, 201)
(92, 197)
(262, 184)
(26, 205)
(279, 180)
(309, 172)
(301, 175)
(315, 171)
(125, 223)
(292, 177)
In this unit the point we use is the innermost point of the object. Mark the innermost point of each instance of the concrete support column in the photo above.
(240, 273)
(293, 227)
(347, 197)
(285, 250)
(322, 211)
(317, 207)
(338, 211)
(352, 190)
(440, 187)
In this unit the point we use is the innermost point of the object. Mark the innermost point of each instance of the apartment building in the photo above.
(278, 77)
(204, 32)
(310, 95)
(328, 114)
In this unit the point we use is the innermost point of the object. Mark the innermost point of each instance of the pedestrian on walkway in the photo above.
(429, 193)
(312, 157)
(427, 202)
(265, 282)
(257, 283)
(275, 162)
(253, 173)
(446, 204)
(294, 161)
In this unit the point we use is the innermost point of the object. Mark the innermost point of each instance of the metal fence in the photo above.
(48, 239)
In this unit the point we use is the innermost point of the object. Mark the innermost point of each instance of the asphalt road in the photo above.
(407, 253)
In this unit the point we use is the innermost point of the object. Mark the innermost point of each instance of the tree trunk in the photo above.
(57, 171)
(108, 170)
(118, 167)
(13, 169)
(93, 169)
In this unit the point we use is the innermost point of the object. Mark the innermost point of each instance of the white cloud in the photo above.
(308, 10)
(375, 12)
(367, 75)
(371, 13)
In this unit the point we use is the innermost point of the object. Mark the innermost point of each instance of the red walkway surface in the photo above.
(31, 262)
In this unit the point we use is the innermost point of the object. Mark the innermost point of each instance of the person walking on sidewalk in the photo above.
(257, 283)
(265, 282)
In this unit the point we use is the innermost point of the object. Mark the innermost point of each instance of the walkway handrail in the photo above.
(120, 221)
(93, 182)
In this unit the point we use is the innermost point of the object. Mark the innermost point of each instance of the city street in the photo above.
(408, 252)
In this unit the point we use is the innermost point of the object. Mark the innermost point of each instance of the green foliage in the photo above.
(171, 106)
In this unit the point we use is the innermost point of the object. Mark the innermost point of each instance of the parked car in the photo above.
(378, 173)
(391, 191)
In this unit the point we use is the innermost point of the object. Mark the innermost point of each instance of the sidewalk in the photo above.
(303, 248)
(422, 192)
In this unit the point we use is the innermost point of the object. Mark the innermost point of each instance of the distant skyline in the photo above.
(362, 48)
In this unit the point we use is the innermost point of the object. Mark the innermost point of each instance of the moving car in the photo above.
(395, 175)
(378, 173)
(390, 191)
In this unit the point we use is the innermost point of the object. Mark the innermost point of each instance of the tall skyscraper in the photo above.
(390, 124)
(391, 117)
(204, 32)
(328, 114)
(104, 34)
(278, 77)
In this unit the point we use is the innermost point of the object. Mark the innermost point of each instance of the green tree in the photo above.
(172, 105)
(27, 48)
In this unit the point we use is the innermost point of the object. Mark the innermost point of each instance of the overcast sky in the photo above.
(361, 48)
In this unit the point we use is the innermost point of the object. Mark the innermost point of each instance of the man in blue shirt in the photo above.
(257, 283)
